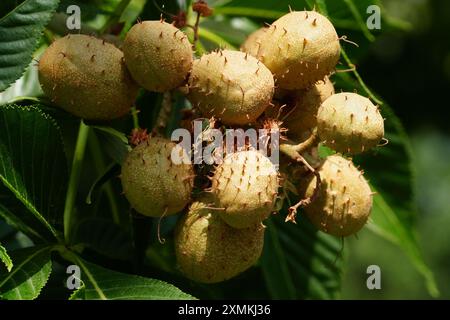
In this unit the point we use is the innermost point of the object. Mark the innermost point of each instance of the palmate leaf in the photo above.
(22, 221)
(299, 262)
(103, 284)
(32, 268)
(105, 237)
(20, 32)
(32, 162)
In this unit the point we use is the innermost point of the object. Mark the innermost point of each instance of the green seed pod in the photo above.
(300, 48)
(158, 55)
(86, 76)
(210, 251)
(231, 86)
(253, 42)
(348, 122)
(344, 201)
(245, 187)
(302, 119)
(153, 183)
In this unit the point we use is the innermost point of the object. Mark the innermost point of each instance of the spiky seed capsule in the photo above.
(349, 123)
(300, 48)
(86, 76)
(253, 42)
(245, 185)
(344, 202)
(230, 85)
(154, 184)
(158, 55)
(210, 251)
(303, 118)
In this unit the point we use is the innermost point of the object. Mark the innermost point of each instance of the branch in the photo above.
(304, 202)
(294, 152)
(72, 188)
(196, 26)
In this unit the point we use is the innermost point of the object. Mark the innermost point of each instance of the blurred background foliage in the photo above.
(407, 63)
(410, 69)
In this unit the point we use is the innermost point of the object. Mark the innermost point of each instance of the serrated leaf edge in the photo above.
(26, 203)
(6, 258)
(41, 32)
(23, 263)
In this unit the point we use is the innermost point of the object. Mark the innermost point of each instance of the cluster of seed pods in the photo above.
(280, 78)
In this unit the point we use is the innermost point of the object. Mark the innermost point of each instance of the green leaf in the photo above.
(113, 132)
(350, 82)
(387, 224)
(15, 220)
(114, 142)
(32, 162)
(28, 276)
(103, 284)
(355, 10)
(5, 258)
(112, 171)
(234, 30)
(321, 6)
(260, 9)
(26, 87)
(250, 12)
(78, 294)
(274, 261)
(20, 31)
(346, 16)
(105, 237)
(216, 40)
(300, 262)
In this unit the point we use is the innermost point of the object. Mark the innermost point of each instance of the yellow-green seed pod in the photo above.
(231, 86)
(302, 119)
(210, 251)
(152, 182)
(300, 48)
(349, 123)
(344, 201)
(87, 77)
(158, 55)
(245, 187)
(253, 42)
